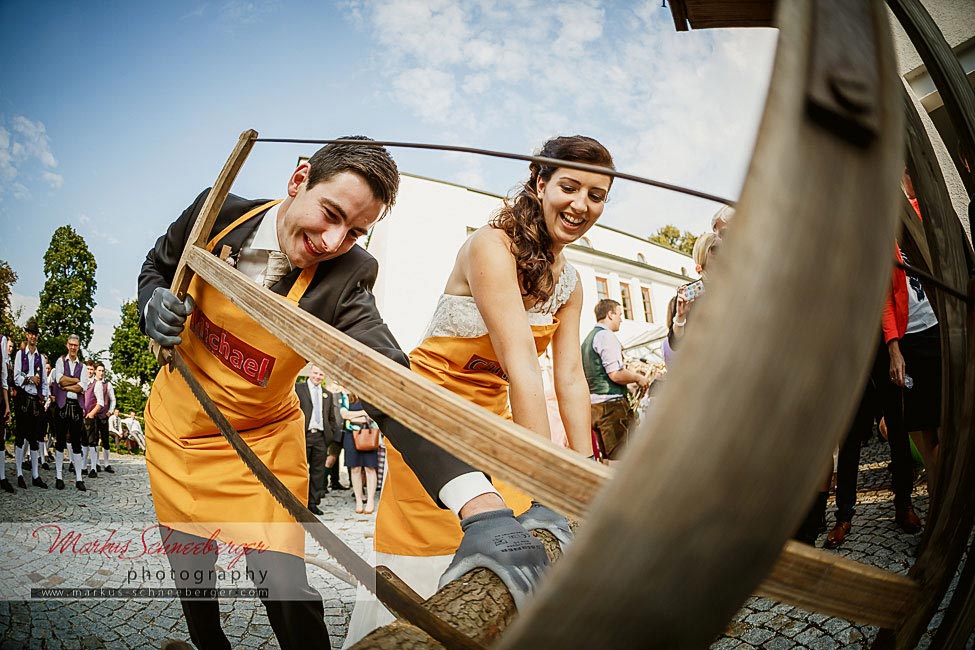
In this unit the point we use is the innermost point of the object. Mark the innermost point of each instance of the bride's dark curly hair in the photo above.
(521, 217)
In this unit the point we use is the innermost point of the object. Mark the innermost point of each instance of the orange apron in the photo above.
(199, 485)
(408, 522)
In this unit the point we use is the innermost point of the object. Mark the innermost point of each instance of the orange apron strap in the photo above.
(301, 284)
(226, 231)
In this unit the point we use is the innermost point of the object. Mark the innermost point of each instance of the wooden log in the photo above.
(706, 497)
(478, 604)
(952, 513)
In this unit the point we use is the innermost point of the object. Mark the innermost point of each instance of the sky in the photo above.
(115, 115)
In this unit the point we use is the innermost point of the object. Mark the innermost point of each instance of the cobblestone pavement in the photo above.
(123, 498)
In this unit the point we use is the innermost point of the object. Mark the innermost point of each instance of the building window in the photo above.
(647, 309)
(602, 288)
(641, 258)
(626, 300)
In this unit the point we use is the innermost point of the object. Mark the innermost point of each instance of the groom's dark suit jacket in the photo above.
(340, 295)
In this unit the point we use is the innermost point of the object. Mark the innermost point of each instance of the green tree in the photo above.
(68, 297)
(9, 317)
(131, 357)
(129, 397)
(672, 237)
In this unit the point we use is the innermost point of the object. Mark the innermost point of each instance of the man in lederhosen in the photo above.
(96, 420)
(68, 386)
(32, 391)
(302, 248)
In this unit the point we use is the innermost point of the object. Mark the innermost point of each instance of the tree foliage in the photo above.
(129, 397)
(68, 297)
(672, 236)
(9, 316)
(131, 357)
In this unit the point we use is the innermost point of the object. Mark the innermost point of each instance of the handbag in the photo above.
(366, 439)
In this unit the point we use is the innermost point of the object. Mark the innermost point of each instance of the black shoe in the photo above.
(7, 487)
(45, 466)
(21, 483)
(315, 510)
(81, 486)
(70, 467)
(25, 465)
(338, 486)
(39, 482)
(58, 484)
(108, 468)
(92, 474)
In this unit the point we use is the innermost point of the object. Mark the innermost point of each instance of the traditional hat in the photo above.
(32, 327)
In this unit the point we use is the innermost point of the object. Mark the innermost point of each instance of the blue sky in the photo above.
(114, 115)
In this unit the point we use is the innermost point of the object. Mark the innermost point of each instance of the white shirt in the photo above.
(608, 347)
(58, 371)
(5, 358)
(100, 385)
(252, 260)
(20, 378)
(315, 421)
(133, 425)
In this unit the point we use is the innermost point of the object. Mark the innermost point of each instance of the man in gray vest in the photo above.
(602, 361)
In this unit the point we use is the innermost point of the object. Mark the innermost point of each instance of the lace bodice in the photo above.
(459, 316)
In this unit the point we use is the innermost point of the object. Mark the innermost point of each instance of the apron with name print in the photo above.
(408, 522)
(199, 484)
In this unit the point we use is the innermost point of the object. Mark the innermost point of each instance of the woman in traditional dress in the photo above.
(511, 293)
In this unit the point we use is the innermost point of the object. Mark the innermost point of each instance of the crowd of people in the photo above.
(49, 408)
(511, 298)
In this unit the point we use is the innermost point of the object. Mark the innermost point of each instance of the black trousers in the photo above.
(30, 425)
(68, 427)
(298, 623)
(879, 393)
(101, 430)
(91, 432)
(316, 449)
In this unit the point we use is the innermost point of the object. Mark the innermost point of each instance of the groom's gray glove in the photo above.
(495, 540)
(539, 517)
(165, 315)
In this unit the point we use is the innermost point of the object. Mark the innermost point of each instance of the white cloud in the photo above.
(52, 179)
(428, 92)
(34, 140)
(682, 108)
(20, 192)
(244, 12)
(196, 12)
(25, 153)
(7, 169)
(90, 227)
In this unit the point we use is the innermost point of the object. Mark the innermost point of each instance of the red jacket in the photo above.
(894, 320)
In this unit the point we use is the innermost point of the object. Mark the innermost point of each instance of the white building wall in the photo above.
(956, 19)
(417, 243)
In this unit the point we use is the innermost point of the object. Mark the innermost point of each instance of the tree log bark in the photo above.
(478, 604)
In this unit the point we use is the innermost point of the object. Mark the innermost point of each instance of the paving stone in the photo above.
(757, 636)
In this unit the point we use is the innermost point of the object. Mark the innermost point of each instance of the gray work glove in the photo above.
(539, 517)
(165, 316)
(495, 540)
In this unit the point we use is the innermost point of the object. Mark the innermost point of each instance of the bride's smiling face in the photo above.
(572, 201)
